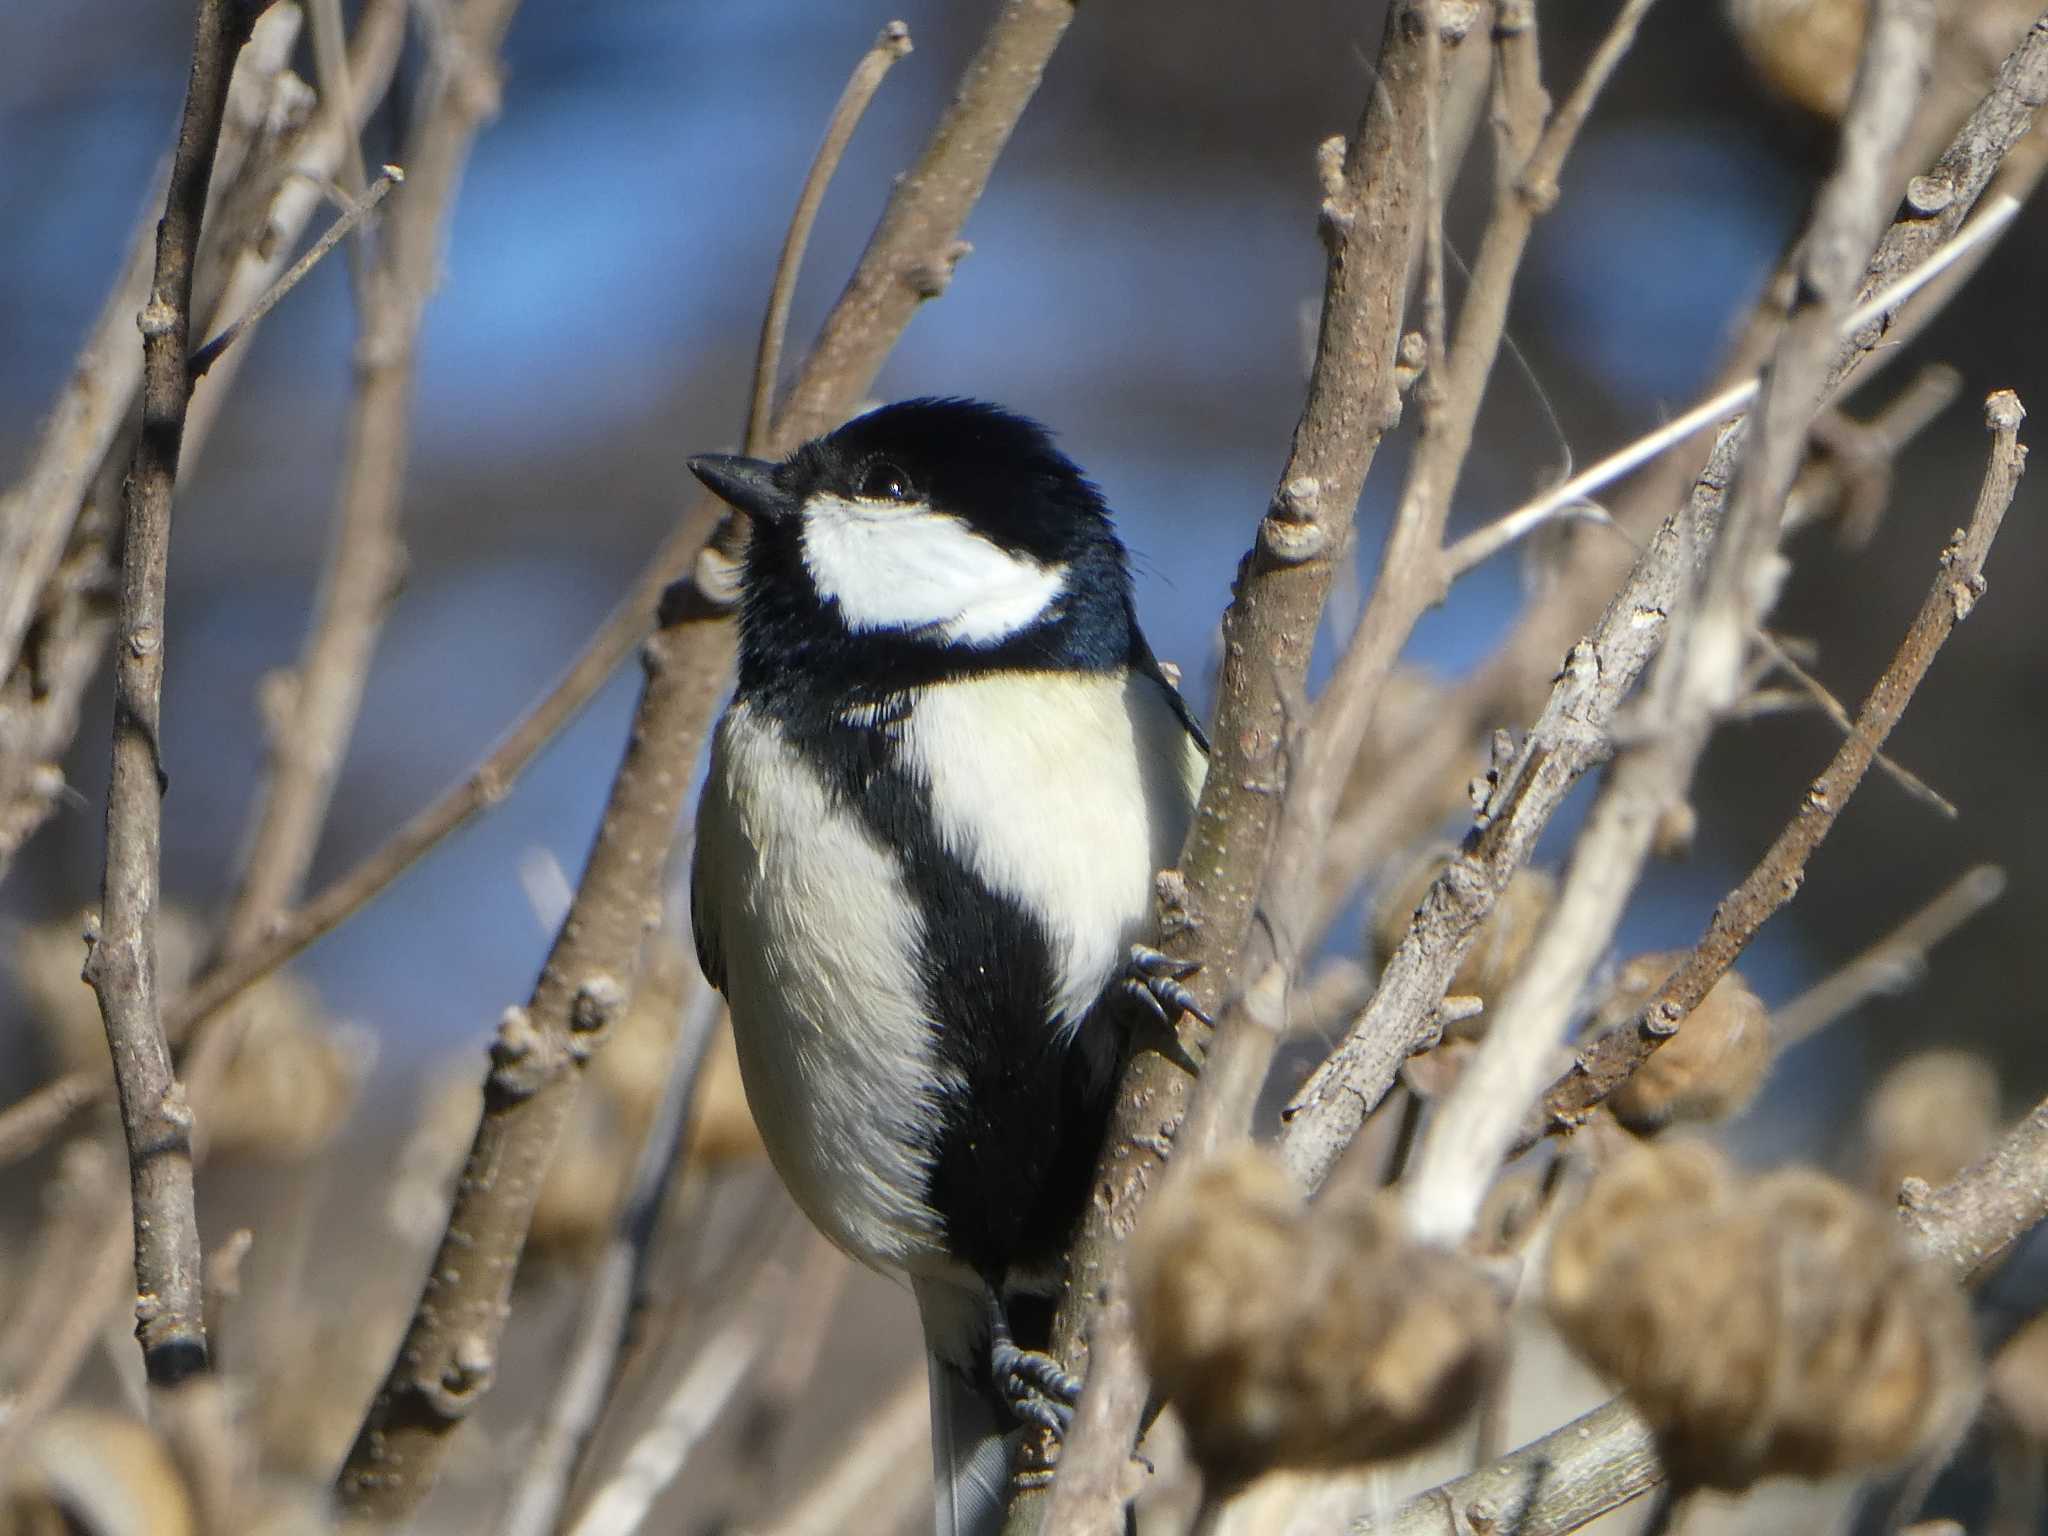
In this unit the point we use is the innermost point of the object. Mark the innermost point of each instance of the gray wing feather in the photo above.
(703, 927)
(970, 1452)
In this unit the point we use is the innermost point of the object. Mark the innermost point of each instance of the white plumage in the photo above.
(819, 943)
(1039, 782)
(897, 567)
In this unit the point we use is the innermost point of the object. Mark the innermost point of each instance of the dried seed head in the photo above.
(2019, 1379)
(1511, 1212)
(1287, 1338)
(1806, 50)
(294, 1077)
(44, 963)
(587, 1179)
(1707, 1071)
(1499, 947)
(83, 1470)
(1932, 1116)
(1779, 1326)
(1672, 1181)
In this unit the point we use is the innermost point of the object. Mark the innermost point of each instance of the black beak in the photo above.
(748, 484)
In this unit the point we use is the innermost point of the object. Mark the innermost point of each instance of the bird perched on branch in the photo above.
(925, 855)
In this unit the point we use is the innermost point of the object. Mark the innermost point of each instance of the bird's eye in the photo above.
(883, 481)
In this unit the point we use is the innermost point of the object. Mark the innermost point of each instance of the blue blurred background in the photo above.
(1144, 276)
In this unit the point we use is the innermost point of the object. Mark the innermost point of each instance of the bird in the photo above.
(925, 856)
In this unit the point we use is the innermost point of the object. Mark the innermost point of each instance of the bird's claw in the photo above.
(1034, 1386)
(1154, 980)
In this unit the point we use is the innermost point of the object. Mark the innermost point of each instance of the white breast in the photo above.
(1067, 791)
(818, 939)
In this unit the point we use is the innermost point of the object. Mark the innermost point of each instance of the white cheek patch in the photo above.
(909, 568)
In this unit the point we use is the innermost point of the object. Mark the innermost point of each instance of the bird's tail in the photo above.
(970, 1451)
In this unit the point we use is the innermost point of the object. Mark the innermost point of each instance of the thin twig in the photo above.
(1604, 1066)
(892, 44)
(694, 1405)
(36, 521)
(1854, 473)
(251, 230)
(1531, 153)
(28, 1123)
(1891, 963)
(535, 1506)
(882, 1460)
(450, 1349)
(1973, 1220)
(59, 539)
(354, 214)
(1483, 543)
(1812, 688)
(121, 958)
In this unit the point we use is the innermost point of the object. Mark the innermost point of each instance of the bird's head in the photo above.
(927, 530)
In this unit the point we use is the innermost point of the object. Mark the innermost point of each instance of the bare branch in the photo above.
(1373, 194)
(245, 241)
(28, 1123)
(883, 1460)
(1476, 1123)
(694, 1405)
(1973, 1220)
(354, 214)
(37, 519)
(891, 45)
(1483, 543)
(1812, 688)
(121, 957)
(1573, 731)
(1606, 1064)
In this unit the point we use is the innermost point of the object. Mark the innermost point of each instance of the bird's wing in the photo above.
(1143, 661)
(703, 909)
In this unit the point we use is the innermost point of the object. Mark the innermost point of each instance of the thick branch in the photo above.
(1374, 191)
(121, 959)
(892, 44)
(450, 1349)
(1973, 1220)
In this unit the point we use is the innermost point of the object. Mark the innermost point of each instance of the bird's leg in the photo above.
(1154, 981)
(1036, 1388)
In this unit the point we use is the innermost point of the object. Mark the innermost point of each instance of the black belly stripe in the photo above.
(1015, 1144)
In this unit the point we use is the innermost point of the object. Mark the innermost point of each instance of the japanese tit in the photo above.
(925, 855)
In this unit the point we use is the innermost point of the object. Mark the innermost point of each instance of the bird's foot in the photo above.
(1034, 1386)
(1154, 981)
